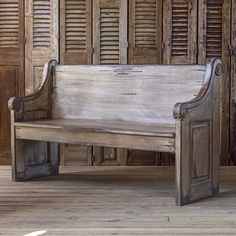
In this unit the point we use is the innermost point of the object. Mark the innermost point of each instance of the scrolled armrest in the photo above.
(209, 87)
(36, 105)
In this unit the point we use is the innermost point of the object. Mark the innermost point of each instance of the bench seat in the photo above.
(109, 133)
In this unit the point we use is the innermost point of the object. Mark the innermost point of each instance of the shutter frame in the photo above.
(103, 11)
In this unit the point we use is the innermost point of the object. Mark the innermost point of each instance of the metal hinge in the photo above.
(163, 47)
(232, 50)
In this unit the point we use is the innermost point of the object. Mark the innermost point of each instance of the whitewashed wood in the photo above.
(126, 107)
(128, 93)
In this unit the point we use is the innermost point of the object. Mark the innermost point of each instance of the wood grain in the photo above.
(101, 201)
(145, 107)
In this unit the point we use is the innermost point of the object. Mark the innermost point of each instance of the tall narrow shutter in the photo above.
(145, 31)
(75, 43)
(180, 31)
(41, 38)
(75, 48)
(110, 47)
(11, 67)
(214, 40)
(110, 32)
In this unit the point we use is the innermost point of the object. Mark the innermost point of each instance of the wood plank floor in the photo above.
(112, 201)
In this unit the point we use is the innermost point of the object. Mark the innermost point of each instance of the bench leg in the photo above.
(197, 161)
(32, 159)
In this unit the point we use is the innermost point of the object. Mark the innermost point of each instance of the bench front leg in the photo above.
(198, 141)
(31, 159)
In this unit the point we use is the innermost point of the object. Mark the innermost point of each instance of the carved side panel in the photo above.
(200, 152)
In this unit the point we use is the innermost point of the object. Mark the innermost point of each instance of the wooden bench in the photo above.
(165, 108)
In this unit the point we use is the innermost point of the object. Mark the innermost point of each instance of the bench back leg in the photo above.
(33, 159)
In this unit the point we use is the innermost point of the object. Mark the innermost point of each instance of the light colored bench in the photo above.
(166, 108)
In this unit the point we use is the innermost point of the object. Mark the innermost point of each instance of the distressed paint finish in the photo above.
(85, 105)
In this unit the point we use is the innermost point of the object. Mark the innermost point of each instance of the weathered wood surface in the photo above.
(156, 108)
(103, 201)
(11, 67)
(124, 93)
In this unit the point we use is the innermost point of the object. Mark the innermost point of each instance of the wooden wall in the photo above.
(115, 32)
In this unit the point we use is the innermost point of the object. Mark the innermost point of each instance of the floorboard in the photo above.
(112, 201)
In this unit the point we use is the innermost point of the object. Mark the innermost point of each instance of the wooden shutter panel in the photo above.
(180, 31)
(11, 66)
(75, 22)
(41, 38)
(110, 47)
(75, 48)
(145, 31)
(214, 41)
(110, 32)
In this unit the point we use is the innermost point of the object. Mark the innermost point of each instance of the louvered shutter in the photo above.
(11, 66)
(75, 32)
(110, 32)
(75, 48)
(41, 38)
(214, 41)
(145, 31)
(180, 31)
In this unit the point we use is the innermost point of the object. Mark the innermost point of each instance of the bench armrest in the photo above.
(37, 105)
(209, 87)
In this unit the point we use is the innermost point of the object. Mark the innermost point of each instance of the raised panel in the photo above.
(201, 151)
(9, 80)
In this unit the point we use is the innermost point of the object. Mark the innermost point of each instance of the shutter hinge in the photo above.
(232, 50)
(163, 47)
(90, 50)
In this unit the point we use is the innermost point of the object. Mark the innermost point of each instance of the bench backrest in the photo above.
(128, 92)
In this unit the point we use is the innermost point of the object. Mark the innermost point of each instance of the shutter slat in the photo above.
(145, 23)
(109, 35)
(41, 23)
(179, 28)
(75, 26)
(9, 24)
(214, 29)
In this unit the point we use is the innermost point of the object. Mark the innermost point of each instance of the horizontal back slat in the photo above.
(124, 93)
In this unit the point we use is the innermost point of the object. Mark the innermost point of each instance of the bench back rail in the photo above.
(128, 93)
